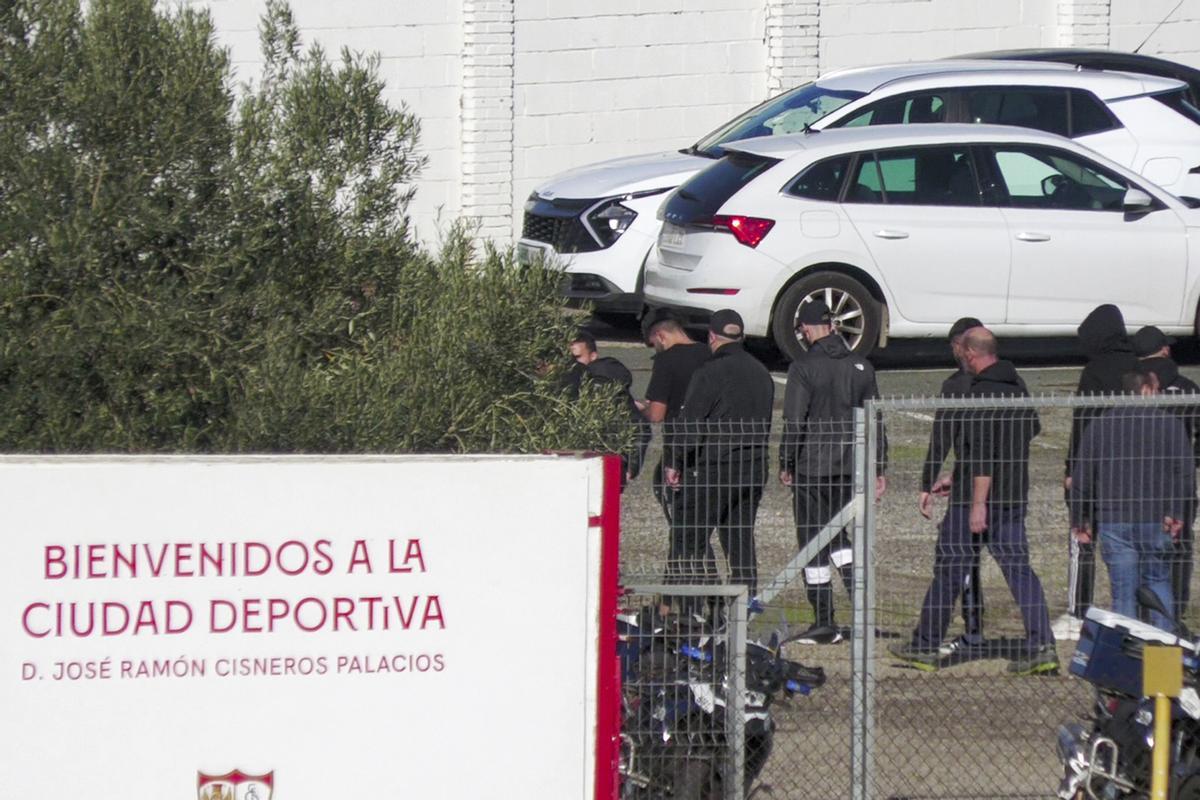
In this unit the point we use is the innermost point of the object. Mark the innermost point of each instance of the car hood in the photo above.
(624, 175)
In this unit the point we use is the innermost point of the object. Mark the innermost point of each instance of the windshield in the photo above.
(787, 113)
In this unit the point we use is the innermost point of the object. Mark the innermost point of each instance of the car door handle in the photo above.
(1029, 236)
(887, 234)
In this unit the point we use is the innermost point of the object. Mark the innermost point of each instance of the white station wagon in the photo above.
(904, 228)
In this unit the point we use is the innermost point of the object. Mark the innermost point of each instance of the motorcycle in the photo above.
(674, 741)
(1110, 758)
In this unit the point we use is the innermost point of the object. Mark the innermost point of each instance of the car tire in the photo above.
(857, 315)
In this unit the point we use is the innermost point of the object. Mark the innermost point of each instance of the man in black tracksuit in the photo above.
(1153, 349)
(942, 438)
(816, 458)
(989, 492)
(718, 460)
(1104, 340)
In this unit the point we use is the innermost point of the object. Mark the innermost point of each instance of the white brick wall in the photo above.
(1083, 23)
(860, 32)
(793, 43)
(600, 80)
(487, 115)
(511, 92)
(1178, 39)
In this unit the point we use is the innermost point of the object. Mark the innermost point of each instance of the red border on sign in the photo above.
(608, 702)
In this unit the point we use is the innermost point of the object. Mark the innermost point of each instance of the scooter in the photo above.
(1109, 758)
(675, 742)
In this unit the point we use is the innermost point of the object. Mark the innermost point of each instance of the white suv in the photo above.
(599, 220)
(903, 229)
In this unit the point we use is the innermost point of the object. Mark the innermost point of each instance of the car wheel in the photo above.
(856, 314)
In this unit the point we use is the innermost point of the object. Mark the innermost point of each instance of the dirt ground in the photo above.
(969, 730)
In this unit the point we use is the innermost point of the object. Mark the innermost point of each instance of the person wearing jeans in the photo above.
(1136, 554)
(1131, 484)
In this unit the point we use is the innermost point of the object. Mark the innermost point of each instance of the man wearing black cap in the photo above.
(676, 358)
(1153, 349)
(816, 458)
(719, 458)
(942, 439)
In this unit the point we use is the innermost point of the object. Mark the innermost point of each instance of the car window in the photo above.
(1037, 177)
(866, 186)
(1025, 107)
(1178, 102)
(786, 113)
(925, 176)
(901, 110)
(821, 181)
(1089, 115)
(701, 195)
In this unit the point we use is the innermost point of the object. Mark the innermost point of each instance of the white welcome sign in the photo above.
(303, 628)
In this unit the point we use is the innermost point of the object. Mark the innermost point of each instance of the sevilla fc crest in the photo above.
(235, 785)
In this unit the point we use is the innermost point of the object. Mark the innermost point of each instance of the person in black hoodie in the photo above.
(1105, 342)
(816, 456)
(989, 494)
(1153, 349)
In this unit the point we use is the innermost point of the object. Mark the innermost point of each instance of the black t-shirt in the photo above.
(671, 373)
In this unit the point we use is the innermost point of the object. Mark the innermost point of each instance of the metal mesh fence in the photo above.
(906, 709)
(967, 700)
(700, 531)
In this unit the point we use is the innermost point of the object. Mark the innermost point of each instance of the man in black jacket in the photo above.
(1153, 349)
(989, 493)
(1133, 477)
(718, 460)
(941, 440)
(1105, 342)
(600, 370)
(816, 458)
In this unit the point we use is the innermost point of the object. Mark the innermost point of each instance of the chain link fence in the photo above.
(968, 714)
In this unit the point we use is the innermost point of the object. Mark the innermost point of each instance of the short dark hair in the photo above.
(586, 339)
(1133, 381)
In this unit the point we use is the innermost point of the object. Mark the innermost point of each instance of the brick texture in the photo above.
(511, 92)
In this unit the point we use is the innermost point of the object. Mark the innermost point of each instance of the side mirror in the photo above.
(1136, 201)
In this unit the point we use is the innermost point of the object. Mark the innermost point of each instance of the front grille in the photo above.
(564, 234)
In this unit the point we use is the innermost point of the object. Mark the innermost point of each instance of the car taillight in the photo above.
(747, 230)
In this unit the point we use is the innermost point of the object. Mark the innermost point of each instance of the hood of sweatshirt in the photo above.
(610, 369)
(1103, 331)
(999, 378)
(833, 346)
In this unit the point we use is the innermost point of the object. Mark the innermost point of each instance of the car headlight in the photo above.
(609, 220)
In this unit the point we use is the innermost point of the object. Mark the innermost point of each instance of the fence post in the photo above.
(862, 640)
(735, 699)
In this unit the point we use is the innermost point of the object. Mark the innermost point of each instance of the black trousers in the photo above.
(815, 501)
(724, 497)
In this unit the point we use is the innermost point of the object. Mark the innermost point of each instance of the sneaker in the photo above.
(1042, 661)
(916, 657)
(960, 646)
(1067, 628)
(819, 634)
